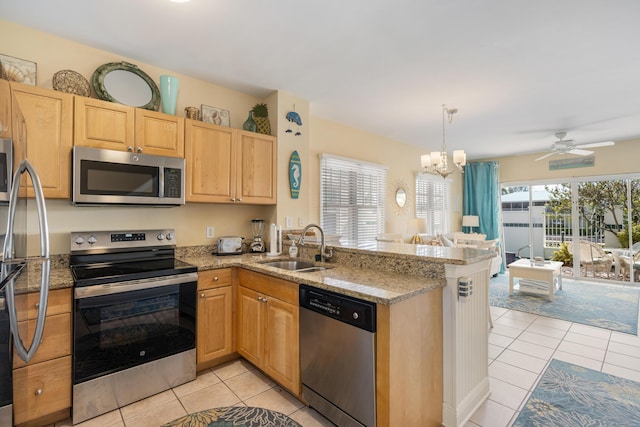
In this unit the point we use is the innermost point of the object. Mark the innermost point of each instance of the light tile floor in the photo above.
(235, 383)
(521, 345)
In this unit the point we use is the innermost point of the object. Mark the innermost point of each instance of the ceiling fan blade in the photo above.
(546, 155)
(579, 152)
(596, 144)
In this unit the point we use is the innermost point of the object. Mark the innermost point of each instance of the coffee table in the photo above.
(547, 272)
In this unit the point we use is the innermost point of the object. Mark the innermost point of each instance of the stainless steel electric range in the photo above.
(134, 318)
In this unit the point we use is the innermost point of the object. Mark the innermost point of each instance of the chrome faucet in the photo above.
(324, 253)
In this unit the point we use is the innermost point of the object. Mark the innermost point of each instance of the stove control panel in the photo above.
(105, 240)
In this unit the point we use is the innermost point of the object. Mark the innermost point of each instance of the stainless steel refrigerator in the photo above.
(20, 267)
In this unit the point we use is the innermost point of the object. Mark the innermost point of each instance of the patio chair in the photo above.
(627, 263)
(592, 257)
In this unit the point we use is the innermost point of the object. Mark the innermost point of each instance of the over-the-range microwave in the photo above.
(6, 169)
(119, 177)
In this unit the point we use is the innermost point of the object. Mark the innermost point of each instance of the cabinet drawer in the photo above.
(41, 389)
(56, 339)
(209, 279)
(278, 288)
(59, 302)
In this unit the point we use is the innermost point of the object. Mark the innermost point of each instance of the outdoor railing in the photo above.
(558, 228)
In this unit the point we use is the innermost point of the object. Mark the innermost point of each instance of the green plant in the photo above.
(563, 255)
(260, 110)
(623, 236)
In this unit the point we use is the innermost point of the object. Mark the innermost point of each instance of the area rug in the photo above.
(613, 307)
(236, 416)
(572, 396)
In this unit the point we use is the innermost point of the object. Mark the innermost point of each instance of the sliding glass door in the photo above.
(591, 225)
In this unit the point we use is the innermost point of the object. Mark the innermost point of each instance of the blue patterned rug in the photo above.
(613, 307)
(234, 416)
(572, 396)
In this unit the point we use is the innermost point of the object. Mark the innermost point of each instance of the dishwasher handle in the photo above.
(350, 310)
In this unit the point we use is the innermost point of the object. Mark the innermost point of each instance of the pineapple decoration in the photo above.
(261, 117)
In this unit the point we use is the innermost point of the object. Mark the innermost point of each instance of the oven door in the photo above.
(116, 328)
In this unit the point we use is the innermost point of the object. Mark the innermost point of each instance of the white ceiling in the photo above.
(517, 70)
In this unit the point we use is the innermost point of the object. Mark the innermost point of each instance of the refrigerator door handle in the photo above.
(22, 351)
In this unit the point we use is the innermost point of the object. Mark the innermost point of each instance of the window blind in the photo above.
(352, 197)
(433, 202)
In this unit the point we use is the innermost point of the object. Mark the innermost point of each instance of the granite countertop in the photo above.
(385, 273)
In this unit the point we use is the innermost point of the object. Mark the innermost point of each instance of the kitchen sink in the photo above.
(300, 266)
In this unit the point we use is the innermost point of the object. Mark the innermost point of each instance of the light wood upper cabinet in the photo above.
(159, 134)
(228, 165)
(215, 315)
(267, 326)
(256, 174)
(5, 109)
(211, 162)
(42, 121)
(103, 124)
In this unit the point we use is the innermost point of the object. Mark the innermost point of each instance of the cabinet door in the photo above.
(211, 162)
(56, 339)
(159, 134)
(250, 327)
(256, 175)
(215, 324)
(5, 109)
(281, 344)
(103, 124)
(41, 389)
(42, 122)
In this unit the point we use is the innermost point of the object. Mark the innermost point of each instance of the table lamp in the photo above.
(470, 221)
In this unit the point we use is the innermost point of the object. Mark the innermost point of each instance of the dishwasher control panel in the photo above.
(354, 311)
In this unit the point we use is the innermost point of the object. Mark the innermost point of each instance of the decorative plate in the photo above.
(70, 81)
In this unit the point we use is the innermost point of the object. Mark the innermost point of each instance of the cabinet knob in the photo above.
(38, 392)
(130, 148)
(37, 305)
(239, 199)
(216, 278)
(202, 295)
(233, 199)
(139, 149)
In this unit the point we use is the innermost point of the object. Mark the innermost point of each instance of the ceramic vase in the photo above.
(249, 124)
(169, 94)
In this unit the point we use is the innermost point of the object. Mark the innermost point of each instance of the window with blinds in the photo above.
(432, 202)
(352, 198)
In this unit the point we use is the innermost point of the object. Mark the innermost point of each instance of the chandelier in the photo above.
(437, 162)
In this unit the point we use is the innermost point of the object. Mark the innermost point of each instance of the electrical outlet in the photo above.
(210, 232)
(288, 222)
(300, 222)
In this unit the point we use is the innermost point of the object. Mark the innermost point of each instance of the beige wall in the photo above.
(403, 161)
(622, 158)
(52, 54)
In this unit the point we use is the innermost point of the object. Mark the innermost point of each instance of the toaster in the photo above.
(231, 245)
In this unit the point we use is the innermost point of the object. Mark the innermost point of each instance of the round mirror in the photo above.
(126, 84)
(401, 197)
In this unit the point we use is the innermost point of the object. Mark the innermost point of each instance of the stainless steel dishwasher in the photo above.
(337, 356)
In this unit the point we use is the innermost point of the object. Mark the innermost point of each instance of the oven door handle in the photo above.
(134, 285)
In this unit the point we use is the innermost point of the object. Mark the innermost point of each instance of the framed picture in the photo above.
(215, 115)
(17, 70)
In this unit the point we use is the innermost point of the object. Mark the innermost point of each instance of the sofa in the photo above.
(457, 239)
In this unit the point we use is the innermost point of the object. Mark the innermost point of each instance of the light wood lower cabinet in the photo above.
(42, 387)
(267, 326)
(215, 316)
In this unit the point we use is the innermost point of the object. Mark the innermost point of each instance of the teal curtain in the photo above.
(481, 197)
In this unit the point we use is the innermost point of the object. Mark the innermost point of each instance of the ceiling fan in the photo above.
(564, 146)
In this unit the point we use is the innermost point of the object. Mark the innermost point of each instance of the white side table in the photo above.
(548, 272)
